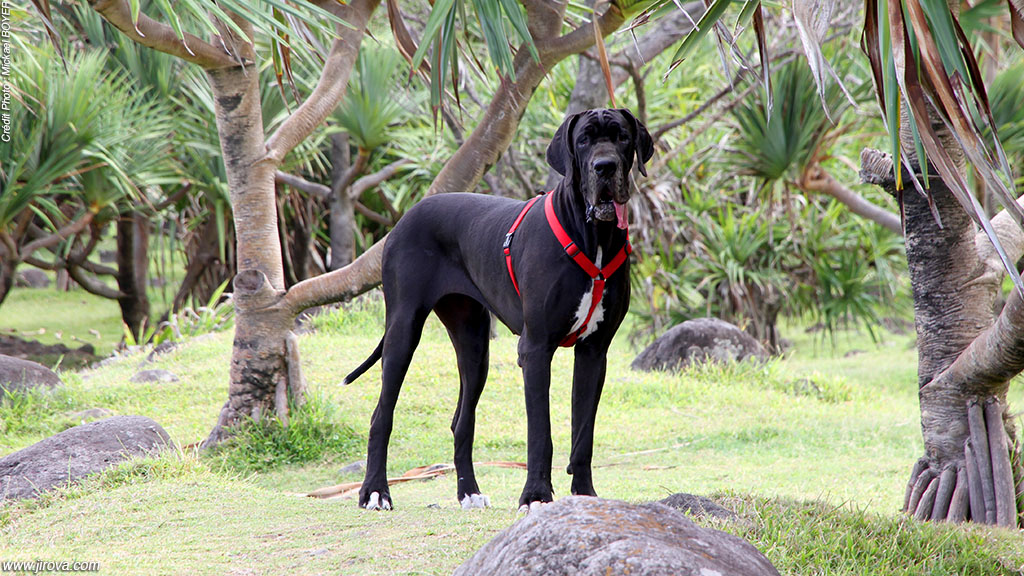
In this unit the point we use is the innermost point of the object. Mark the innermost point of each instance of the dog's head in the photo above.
(594, 151)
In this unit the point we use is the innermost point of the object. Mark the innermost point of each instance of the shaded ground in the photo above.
(48, 354)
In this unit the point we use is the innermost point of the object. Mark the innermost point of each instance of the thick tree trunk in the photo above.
(966, 357)
(265, 369)
(132, 267)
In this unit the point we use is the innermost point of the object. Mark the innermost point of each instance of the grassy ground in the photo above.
(812, 450)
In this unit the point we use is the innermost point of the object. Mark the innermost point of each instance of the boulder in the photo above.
(31, 278)
(18, 375)
(144, 376)
(583, 536)
(77, 452)
(698, 341)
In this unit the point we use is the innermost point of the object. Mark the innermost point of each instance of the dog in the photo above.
(468, 256)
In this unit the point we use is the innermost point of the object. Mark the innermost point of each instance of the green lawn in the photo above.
(812, 450)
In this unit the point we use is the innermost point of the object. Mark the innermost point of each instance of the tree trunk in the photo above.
(265, 370)
(259, 355)
(132, 267)
(966, 357)
(342, 225)
(7, 267)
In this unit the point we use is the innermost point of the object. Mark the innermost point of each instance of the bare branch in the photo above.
(333, 81)
(65, 232)
(93, 285)
(300, 183)
(986, 366)
(371, 215)
(338, 286)
(370, 180)
(817, 179)
(159, 36)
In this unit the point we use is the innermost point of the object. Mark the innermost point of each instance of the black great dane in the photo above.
(556, 274)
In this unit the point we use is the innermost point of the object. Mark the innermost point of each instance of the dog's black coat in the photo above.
(446, 255)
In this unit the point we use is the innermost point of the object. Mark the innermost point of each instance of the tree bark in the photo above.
(265, 360)
(132, 267)
(966, 355)
(342, 223)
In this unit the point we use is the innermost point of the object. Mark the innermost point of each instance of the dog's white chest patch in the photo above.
(584, 307)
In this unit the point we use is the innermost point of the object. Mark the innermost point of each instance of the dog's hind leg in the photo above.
(587, 382)
(401, 337)
(469, 325)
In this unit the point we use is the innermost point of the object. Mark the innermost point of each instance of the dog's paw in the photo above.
(531, 507)
(471, 501)
(377, 501)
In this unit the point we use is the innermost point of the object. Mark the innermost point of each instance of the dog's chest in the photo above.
(586, 301)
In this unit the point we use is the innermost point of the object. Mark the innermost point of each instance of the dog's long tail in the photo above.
(374, 356)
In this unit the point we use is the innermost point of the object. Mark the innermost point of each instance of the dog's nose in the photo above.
(605, 166)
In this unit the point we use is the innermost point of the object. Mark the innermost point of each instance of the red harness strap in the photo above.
(597, 275)
(507, 247)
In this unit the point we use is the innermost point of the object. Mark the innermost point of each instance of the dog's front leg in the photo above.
(587, 382)
(535, 359)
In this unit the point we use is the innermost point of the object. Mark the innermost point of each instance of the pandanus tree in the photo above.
(89, 149)
(229, 41)
(935, 105)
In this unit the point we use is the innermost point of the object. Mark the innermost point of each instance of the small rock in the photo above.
(161, 348)
(77, 452)
(852, 353)
(698, 341)
(149, 376)
(18, 375)
(354, 468)
(83, 416)
(31, 278)
(698, 506)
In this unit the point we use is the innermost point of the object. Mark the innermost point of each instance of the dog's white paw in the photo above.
(376, 502)
(532, 507)
(471, 501)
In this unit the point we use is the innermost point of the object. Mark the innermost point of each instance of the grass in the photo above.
(812, 451)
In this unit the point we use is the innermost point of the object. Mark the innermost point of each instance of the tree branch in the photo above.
(993, 358)
(161, 37)
(817, 179)
(495, 131)
(300, 183)
(371, 215)
(357, 167)
(337, 286)
(92, 285)
(68, 230)
(370, 180)
(333, 81)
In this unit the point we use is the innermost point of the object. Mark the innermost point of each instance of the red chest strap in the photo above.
(597, 275)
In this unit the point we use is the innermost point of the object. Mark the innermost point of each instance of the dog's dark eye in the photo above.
(623, 137)
(581, 141)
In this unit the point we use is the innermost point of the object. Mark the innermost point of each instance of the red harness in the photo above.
(597, 275)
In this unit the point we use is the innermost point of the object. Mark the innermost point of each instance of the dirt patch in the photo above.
(48, 354)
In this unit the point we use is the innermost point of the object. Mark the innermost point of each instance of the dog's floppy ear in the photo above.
(561, 153)
(641, 140)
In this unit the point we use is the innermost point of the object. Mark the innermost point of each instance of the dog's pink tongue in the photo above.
(621, 213)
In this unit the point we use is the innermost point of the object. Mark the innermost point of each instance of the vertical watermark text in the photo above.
(6, 6)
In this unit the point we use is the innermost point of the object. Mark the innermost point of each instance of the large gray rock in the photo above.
(77, 452)
(583, 536)
(698, 341)
(18, 375)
